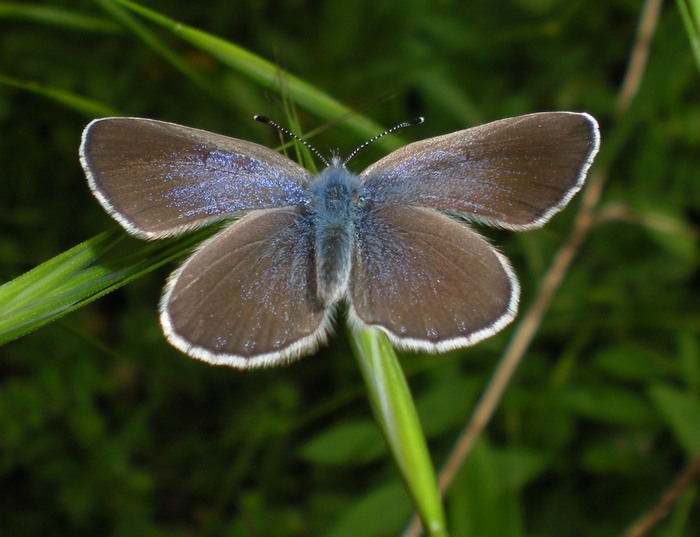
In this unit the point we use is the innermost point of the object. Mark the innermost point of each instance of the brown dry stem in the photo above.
(531, 320)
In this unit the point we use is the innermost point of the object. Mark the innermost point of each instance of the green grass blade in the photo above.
(395, 412)
(82, 105)
(56, 16)
(77, 277)
(266, 74)
(690, 13)
(157, 44)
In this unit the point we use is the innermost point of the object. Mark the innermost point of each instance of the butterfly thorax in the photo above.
(336, 193)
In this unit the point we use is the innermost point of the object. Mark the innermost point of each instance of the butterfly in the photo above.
(392, 242)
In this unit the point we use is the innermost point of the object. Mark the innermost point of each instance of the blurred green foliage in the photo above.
(106, 430)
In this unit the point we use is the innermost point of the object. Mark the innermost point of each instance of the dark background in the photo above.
(107, 430)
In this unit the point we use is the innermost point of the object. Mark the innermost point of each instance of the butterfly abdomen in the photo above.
(336, 192)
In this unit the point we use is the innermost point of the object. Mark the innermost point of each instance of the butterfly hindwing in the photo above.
(428, 281)
(248, 296)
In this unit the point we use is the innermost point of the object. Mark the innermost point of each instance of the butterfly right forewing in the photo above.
(515, 172)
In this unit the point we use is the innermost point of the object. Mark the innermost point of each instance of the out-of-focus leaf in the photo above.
(628, 361)
(348, 443)
(611, 404)
(379, 513)
(681, 411)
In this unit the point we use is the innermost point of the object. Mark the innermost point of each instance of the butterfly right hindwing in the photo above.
(428, 281)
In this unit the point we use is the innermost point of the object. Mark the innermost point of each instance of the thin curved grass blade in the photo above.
(266, 74)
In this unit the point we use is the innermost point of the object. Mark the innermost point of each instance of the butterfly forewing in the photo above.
(429, 282)
(514, 172)
(248, 296)
(160, 179)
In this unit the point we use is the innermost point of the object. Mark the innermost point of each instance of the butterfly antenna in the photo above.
(263, 119)
(410, 122)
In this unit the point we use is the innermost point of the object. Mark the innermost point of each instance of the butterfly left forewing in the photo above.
(159, 179)
(427, 281)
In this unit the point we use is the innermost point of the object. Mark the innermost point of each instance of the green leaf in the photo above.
(610, 404)
(628, 361)
(376, 514)
(518, 467)
(348, 443)
(484, 486)
(447, 405)
(681, 411)
(669, 228)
